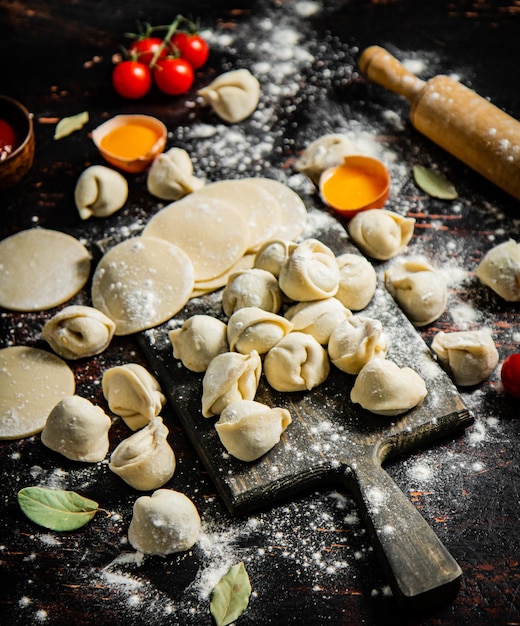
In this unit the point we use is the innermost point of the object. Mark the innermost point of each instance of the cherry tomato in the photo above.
(510, 374)
(132, 79)
(145, 49)
(173, 76)
(193, 48)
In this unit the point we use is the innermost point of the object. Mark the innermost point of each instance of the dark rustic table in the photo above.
(309, 558)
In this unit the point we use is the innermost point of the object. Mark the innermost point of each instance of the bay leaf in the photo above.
(55, 508)
(68, 125)
(230, 596)
(434, 183)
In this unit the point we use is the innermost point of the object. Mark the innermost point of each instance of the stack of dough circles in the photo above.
(41, 269)
(32, 382)
(141, 283)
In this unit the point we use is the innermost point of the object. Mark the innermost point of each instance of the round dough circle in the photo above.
(41, 269)
(142, 282)
(32, 382)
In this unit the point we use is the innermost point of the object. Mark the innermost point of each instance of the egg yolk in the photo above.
(130, 141)
(350, 187)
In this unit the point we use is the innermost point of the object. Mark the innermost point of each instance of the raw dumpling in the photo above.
(233, 95)
(100, 191)
(323, 153)
(230, 377)
(252, 287)
(145, 460)
(77, 429)
(418, 289)
(249, 429)
(297, 363)
(355, 341)
(470, 356)
(357, 281)
(500, 270)
(170, 176)
(273, 255)
(78, 331)
(384, 388)
(252, 328)
(198, 341)
(133, 394)
(310, 272)
(317, 318)
(381, 234)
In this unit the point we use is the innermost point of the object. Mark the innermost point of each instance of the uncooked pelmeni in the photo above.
(418, 289)
(230, 377)
(273, 255)
(500, 270)
(381, 234)
(170, 176)
(78, 331)
(252, 328)
(164, 523)
(310, 272)
(133, 394)
(252, 287)
(100, 191)
(249, 429)
(357, 281)
(317, 317)
(233, 95)
(469, 356)
(355, 341)
(199, 340)
(78, 430)
(297, 363)
(145, 460)
(384, 388)
(326, 151)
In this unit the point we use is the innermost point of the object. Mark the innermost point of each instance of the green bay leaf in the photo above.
(434, 183)
(230, 596)
(55, 508)
(68, 125)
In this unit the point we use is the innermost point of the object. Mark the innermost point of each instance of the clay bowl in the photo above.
(15, 165)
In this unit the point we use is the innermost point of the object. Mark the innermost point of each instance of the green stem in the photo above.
(171, 30)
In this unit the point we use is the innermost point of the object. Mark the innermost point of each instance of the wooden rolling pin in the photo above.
(456, 118)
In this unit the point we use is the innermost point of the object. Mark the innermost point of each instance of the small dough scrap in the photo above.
(100, 191)
(32, 382)
(325, 152)
(78, 430)
(198, 341)
(297, 363)
(230, 377)
(233, 95)
(318, 317)
(164, 523)
(357, 281)
(41, 269)
(381, 234)
(500, 270)
(355, 341)
(145, 460)
(170, 176)
(310, 273)
(254, 287)
(469, 356)
(252, 328)
(142, 282)
(273, 255)
(418, 289)
(384, 388)
(133, 394)
(249, 429)
(78, 331)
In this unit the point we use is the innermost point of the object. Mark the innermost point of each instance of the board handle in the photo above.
(420, 570)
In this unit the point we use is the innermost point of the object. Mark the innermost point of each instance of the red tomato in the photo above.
(510, 374)
(8, 140)
(132, 79)
(145, 49)
(193, 48)
(173, 76)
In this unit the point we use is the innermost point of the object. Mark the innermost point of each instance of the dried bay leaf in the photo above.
(434, 183)
(55, 508)
(230, 596)
(68, 125)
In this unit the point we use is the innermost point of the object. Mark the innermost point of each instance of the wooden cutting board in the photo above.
(332, 441)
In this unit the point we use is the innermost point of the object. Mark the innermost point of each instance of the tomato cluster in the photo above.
(169, 63)
(510, 375)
